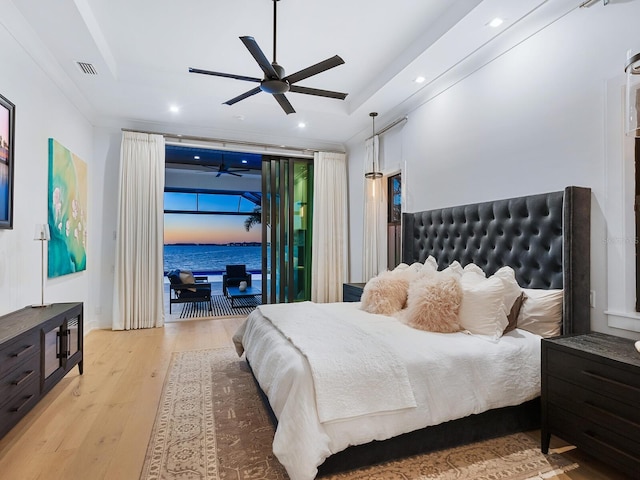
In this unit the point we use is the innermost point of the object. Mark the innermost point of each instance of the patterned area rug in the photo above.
(221, 307)
(211, 425)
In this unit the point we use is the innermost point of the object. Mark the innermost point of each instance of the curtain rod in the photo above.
(240, 143)
(390, 126)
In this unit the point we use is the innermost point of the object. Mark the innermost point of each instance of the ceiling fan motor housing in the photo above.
(275, 85)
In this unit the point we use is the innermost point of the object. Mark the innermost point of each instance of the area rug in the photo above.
(221, 307)
(211, 425)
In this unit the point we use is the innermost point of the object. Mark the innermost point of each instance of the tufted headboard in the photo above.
(545, 238)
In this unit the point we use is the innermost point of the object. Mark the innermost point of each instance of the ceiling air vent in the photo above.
(87, 68)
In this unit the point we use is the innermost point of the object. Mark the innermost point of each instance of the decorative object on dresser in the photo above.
(38, 347)
(351, 292)
(42, 234)
(590, 397)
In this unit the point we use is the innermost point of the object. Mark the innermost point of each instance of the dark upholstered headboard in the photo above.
(545, 238)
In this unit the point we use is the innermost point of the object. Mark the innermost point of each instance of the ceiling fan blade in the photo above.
(219, 173)
(226, 75)
(284, 103)
(318, 92)
(254, 49)
(314, 69)
(248, 94)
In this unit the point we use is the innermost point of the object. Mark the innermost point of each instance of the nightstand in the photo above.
(591, 397)
(351, 292)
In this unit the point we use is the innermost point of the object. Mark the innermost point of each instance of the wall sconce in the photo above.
(632, 68)
(374, 173)
(42, 235)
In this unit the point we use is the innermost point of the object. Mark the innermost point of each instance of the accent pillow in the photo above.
(385, 294)
(187, 277)
(482, 309)
(512, 318)
(433, 304)
(541, 312)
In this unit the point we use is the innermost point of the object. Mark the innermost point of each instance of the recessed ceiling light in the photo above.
(496, 22)
(302, 125)
(174, 108)
(196, 157)
(419, 79)
(244, 161)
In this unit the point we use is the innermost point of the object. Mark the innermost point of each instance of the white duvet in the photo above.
(452, 376)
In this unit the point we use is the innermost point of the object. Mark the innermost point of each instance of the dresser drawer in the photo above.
(603, 410)
(611, 447)
(14, 352)
(16, 407)
(617, 383)
(26, 371)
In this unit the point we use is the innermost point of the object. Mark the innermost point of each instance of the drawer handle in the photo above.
(21, 406)
(611, 414)
(609, 380)
(23, 378)
(24, 350)
(608, 445)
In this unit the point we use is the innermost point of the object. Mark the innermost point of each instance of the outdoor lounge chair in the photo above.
(185, 288)
(233, 276)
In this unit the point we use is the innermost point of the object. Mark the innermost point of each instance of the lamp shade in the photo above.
(632, 104)
(42, 232)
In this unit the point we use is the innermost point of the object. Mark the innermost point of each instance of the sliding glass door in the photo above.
(287, 209)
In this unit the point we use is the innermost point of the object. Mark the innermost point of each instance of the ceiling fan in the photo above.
(275, 82)
(222, 168)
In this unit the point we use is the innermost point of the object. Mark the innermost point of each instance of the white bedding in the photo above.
(452, 376)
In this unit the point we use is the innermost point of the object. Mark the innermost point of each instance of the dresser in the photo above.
(351, 292)
(38, 346)
(591, 397)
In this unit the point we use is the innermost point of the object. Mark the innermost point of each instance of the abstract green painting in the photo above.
(67, 211)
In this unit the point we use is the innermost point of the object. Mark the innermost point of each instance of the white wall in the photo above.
(42, 111)
(533, 120)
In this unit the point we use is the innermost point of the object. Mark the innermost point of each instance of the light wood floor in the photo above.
(96, 426)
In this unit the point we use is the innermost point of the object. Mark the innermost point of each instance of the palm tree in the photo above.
(254, 219)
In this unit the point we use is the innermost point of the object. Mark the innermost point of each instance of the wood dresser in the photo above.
(38, 346)
(351, 292)
(591, 397)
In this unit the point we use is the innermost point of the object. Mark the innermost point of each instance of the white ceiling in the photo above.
(142, 50)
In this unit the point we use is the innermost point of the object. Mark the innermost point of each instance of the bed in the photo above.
(545, 239)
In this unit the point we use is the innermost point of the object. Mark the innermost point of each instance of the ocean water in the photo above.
(211, 258)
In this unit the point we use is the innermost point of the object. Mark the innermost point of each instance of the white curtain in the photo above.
(330, 246)
(374, 245)
(139, 285)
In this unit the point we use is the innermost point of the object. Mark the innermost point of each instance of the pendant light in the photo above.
(374, 173)
(632, 107)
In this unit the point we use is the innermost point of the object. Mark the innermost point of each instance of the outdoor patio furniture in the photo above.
(184, 288)
(233, 276)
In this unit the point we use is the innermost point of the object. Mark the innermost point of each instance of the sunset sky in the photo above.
(186, 228)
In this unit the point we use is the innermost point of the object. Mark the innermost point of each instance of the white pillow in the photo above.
(455, 268)
(473, 268)
(541, 312)
(431, 263)
(512, 289)
(400, 268)
(482, 309)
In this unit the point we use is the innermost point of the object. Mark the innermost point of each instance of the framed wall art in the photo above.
(67, 198)
(7, 127)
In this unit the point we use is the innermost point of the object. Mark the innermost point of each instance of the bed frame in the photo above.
(546, 240)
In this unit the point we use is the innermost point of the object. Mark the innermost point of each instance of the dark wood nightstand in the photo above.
(591, 397)
(351, 292)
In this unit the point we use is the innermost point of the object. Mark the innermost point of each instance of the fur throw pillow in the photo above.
(385, 294)
(433, 304)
